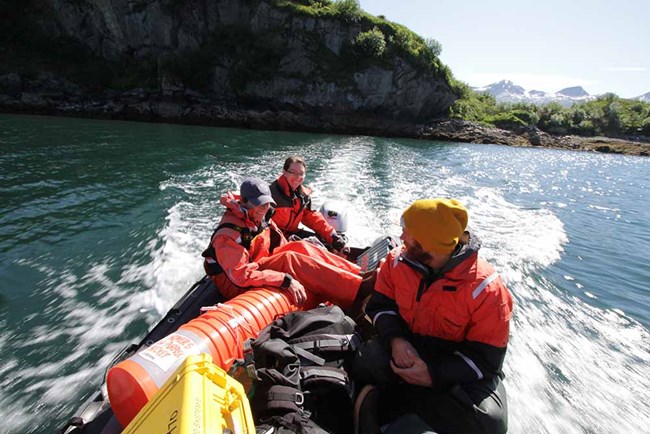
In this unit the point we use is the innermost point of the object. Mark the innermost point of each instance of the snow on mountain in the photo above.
(504, 87)
(573, 92)
(507, 91)
(645, 97)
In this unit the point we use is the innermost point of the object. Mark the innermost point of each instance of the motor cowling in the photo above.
(336, 215)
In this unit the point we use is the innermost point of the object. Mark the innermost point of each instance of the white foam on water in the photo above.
(515, 241)
(572, 367)
(347, 178)
(176, 252)
(84, 327)
(175, 264)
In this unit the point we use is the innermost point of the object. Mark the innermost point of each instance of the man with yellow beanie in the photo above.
(442, 319)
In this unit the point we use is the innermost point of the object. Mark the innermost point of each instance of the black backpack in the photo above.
(299, 362)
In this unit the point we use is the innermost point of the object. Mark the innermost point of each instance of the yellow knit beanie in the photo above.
(437, 224)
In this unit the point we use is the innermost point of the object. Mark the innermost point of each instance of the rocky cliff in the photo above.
(237, 54)
(267, 64)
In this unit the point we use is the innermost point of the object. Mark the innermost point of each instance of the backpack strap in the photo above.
(309, 372)
(328, 342)
(285, 397)
(309, 356)
(246, 234)
(314, 377)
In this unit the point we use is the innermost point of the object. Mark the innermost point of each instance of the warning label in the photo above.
(170, 351)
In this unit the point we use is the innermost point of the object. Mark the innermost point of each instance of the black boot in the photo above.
(366, 411)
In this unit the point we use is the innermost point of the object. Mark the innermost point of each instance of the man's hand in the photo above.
(339, 245)
(418, 374)
(403, 353)
(297, 292)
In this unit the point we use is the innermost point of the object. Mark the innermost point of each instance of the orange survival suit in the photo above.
(294, 207)
(242, 255)
(463, 312)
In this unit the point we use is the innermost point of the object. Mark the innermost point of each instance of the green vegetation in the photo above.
(434, 45)
(607, 115)
(66, 57)
(350, 10)
(370, 44)
(399, 40)
(250, 57)
(63, 56)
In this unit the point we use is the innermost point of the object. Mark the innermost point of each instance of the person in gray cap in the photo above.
(248, 250)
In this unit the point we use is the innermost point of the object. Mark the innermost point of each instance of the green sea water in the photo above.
(102, 224)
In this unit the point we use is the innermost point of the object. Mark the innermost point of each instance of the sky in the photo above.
(601, 45)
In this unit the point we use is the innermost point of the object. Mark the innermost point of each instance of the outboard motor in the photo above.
(336, 215)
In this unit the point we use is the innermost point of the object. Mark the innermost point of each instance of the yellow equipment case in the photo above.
(199, 398)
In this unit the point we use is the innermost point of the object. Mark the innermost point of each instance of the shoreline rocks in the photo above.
(473, 132)
(54, 96)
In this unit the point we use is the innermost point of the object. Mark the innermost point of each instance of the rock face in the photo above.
(46, 94)
(302, 57)
(303, 79)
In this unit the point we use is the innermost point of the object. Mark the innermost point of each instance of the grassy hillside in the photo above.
(607, 115)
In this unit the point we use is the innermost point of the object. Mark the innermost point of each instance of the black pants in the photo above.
(477, 407)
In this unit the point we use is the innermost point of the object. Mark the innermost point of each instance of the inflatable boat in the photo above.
(200, 322)
(96, 414)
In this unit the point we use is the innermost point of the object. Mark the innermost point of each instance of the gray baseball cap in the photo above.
(256, 191)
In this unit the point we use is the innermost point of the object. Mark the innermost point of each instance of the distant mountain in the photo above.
(573, 92)
(507, 91)
(505, 87)
(645, 97)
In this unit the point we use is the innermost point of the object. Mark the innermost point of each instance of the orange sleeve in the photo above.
(235, 261)
(315, 221)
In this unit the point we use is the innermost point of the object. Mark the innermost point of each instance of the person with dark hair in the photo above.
(442, 317)
(248, 250)
(293, 205)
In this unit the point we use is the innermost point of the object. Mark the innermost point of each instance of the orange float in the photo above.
(220, 332)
